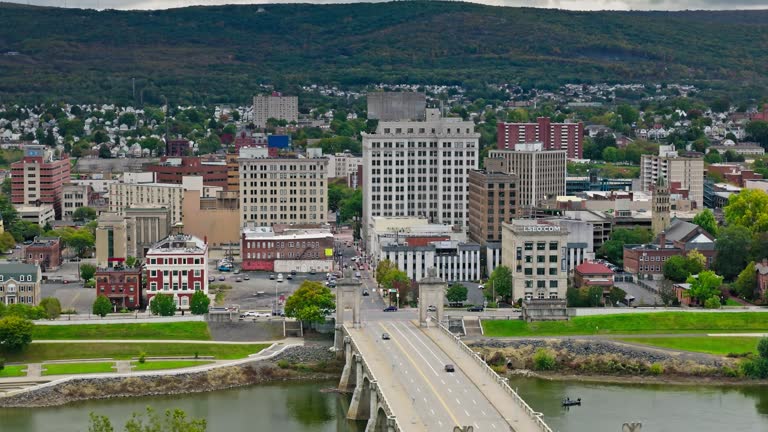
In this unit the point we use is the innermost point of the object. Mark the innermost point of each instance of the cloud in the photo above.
(555, 4)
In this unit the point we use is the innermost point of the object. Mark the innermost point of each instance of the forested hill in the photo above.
(220, 53)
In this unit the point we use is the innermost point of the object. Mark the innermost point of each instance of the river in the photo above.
(284, 407)
(302, 407)
(660, 408)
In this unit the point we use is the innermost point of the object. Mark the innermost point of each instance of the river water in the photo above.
(302, 407)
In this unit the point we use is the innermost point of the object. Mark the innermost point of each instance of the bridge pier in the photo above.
(373, 413)
(339, 343)
(348, 379)
(359, 406)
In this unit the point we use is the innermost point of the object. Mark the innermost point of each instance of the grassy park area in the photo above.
(13, 371)
(704, 344)
(169, 331)
(631, 323)
(78, 368)
(38, 352)
(167, 364)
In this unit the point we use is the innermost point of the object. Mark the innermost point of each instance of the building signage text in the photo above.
(540, 228)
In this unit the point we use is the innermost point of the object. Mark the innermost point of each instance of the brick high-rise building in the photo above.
(554, 136)
(38, 178)
(492, 200)
(540, 172)
(274, 106)
(177, 266)
(173, 169)
(121, 285)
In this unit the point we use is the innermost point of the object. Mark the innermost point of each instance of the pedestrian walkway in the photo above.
(166, 341)
(123, 366)
(34, 370)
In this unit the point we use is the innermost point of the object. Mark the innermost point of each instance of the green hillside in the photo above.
(220, 53)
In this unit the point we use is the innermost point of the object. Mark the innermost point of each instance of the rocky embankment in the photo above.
(599, 358)
(313, 362)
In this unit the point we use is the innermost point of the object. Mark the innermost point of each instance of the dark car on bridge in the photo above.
(390, 309)
(449, 368)
(475, 309)
(385, 336)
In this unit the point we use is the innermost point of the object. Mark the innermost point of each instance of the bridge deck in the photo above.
(410, 370)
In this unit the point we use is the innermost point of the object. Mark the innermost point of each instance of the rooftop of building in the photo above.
(258, 233)
(179, 243)
(45, 241)
(17, 269)
(120, 269)
(438, 246)
(26, 208)
(588, 267)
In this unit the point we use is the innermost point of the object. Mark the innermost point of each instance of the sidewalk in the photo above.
(174, 341)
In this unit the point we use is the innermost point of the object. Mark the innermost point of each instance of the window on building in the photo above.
(540, 258)
(184, 286)
(153, 273)
(553, 246)
(165, 286)
(553, 284)
(541, 284)
(197, 285)
(197, 272)
(528, 258)
(528, 271)
(540, 271)
(541, 246)
(175, 286)
(529, 283)
(553, 271)
(528, 246)
(553, 258)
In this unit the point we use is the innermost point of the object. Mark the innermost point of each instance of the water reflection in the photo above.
(309, 408)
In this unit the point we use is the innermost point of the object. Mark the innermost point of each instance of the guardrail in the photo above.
(536, 416)
(382, 398)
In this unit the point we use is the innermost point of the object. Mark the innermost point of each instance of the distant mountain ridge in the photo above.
(220, 53)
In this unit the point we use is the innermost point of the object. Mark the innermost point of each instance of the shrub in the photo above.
(69, 311)
(730, 372)
(283, 364)
(15, 333)
(544, 359)
(142, 357)
(712, 303)
(2, 363)
(656, 369)
(197, 355)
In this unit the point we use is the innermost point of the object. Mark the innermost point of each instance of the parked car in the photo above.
(390, 309)
(289, 277)
(385, 336)
(237, 271)
(432, 308)
(272, 277)
(222, 277)
(246, 277)
(365, 293)
(293, 272)
(211, 278)
(248, 314)
(238, 279)
(280, 277)
(449, 368)
(475, 309)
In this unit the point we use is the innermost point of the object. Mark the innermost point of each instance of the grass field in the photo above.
(168, 364)
(704, 344)
(731, 302)
(78, 368)
(13, 371)
(643, 323)
(37, 352)
(180, 331)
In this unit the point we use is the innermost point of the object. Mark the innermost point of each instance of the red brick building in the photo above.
(761, 291)
(593, 274)
(283, 249)
(172, 169)
(734, 173)
(178, 147)
(760, 115)
(555, 136)
(45, 252)
(121, 285)
(38, 178)
(177, 266)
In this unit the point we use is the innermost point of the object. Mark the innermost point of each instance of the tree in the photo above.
(199, 303)
(616, 295)
(713, 157)
(7, 242)
(758, 132)
(712, 303)
(130, 261)
(748, 209)
(309, 302)
(667, 292)
(706, 220)
(704, 286)
(104, 152)
(500, 282)
(163, 305)
(676, 269)
(15, 333)
(382, 268)
(613, 249)
(87, 271)
(394, 277)
(732, 246)
(456, 293)
(746, 282)
(80, 240)
(695, 262)
(52, 307)
(173, 421)
(101, 306)
(128, 119)
(84, 214)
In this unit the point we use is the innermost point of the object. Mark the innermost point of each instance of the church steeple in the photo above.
(661, 206)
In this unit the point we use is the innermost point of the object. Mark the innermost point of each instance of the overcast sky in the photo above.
(561, 4)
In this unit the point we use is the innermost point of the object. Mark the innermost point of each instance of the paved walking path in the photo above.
(123, 366)
(174, 341)
(34, 370)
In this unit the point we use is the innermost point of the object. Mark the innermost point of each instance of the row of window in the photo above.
(175, 261)
(119, 289)
(21, 288)
(540, 284)
(153, 273)
(279, 255)
(283, 216)
(280, 244)
(539, 271)
(167, 286)
(22, 278)
(20, 299)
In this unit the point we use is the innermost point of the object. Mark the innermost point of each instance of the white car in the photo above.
(255, 314)
(280, 277)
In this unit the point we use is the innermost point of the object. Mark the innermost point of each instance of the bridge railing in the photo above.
(382, 398)
(536, 416)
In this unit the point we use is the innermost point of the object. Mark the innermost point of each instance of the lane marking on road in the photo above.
(474, 401)
(437, 395)
(449, 390)
(433, 411)
(493, 425)
(458, 401)
(483, 412)
(476, 426)
(466, 412)
(410, 329)
(442, 382)
(414, 349)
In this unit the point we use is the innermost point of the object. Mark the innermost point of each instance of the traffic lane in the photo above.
(426, 401)
(461, 395)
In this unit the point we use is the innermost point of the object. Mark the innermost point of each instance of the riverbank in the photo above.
(299, 363)
(607, 361)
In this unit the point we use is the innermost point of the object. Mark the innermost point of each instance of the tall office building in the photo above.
(38, 178)
(396, 106)
(274, 106)
(554, 136)
(282, 190)
(540, 172)
(419, 168)
(492, 200)
(682, 175)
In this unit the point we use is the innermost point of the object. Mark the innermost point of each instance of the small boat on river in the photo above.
(567, 402)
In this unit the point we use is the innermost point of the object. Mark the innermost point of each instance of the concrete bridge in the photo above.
(401, 383)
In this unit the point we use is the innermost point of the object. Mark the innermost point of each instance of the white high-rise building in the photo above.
(419, 168)
(683, 176)
(275, 106)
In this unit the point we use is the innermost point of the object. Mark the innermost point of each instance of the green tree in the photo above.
(22, 310)
(667, 292)
(309, 302)
(15, 333)
(104, 152)
(713, 157)
(6, 187)
(676, 269)
(83, 214)
(456, 293)
(748, 209)
(199, 303)
(712, 303)
(706, 220)
(100, 137)
(173, 421)
(352, 206)
(628, 114)
(7, 242)
(209, 144)
(394, 277)
(500, 282)
(695, 262)
(382, 268)
(704, 286)
(87, 271)
(101, 306)
(613, 249)
(732, 248)
(128, 119)
(52, 307)
(746, 283)
(758, 132)
(130, 261)
(163, 305)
